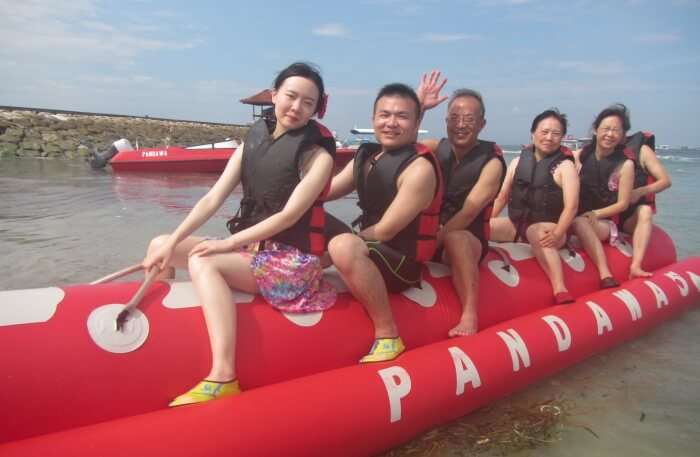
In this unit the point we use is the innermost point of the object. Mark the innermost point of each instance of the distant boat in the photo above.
(663, 147)
(122, 156)
(573, 143)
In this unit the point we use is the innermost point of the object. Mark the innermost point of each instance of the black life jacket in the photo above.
(270, 172)
(535, 196)
(641, 176)
(460, 178)
(378, 189)
(595, 176)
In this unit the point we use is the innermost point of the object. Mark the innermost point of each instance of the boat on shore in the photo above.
(205, 158)
(87, 389)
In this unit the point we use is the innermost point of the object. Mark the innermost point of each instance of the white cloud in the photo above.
(37, 31)
(448, 37)
(659, 38)
(332, 30)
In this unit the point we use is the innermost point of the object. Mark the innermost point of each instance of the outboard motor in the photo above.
(100, 159)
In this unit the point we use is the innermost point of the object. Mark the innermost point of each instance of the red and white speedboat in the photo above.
(71, 385)
(206, 158)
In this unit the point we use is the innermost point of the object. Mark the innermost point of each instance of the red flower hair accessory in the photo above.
(324, 104)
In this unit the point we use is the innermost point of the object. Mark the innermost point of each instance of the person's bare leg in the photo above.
(639, 225)
(548, 258)
(179, 259)
(502, 229)
(351, 258)
(590, 238)
(462, 250)
(213, 277)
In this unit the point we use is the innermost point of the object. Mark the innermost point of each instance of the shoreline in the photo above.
(28, 132)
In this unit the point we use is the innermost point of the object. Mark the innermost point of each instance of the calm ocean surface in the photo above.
(61, 223)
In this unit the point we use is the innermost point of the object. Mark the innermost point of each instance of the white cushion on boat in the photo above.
(183, 295)
(438, 270)
(331, 275)
(29, 306)
(509, 277)
(304, 319)
(576, 262)
(425, 296)
(516, 251)
(623, 246)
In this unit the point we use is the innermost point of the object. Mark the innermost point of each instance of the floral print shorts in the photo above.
(290, 280)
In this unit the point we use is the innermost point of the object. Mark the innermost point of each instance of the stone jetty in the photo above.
(38, 133)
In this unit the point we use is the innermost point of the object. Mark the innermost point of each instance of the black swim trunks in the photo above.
(399, 271)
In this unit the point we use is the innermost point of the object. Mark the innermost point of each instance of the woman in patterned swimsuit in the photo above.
(253, 259)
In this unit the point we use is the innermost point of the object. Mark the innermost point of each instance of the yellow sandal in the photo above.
(384, 349)
(207, 391)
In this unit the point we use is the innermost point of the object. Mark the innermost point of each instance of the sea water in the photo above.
(62, 222)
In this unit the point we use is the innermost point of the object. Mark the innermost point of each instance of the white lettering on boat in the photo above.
(516, 346)
(661, 298)
(425, 296)
(29, 306)
(158, 153)
(631, 302)
(561, 331)
(398, 384)
(601, 317)
(695, 278)
(680, 282)
(465, 370)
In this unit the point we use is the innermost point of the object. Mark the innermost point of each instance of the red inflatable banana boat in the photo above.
(71, 385)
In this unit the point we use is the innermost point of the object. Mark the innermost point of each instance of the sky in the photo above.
(196, 60)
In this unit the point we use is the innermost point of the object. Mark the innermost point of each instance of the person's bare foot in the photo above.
(637, 272)
(467, 325)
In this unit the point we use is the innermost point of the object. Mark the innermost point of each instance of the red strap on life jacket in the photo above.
(429, 221)
(317, 240)
(324, 130)
(566, 151)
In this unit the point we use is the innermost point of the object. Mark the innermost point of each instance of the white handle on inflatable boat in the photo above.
(136, 299)
(117, 274)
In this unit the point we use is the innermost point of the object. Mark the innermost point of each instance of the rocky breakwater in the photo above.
(36, 133)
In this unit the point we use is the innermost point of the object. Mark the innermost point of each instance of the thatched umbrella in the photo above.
(262, 99)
